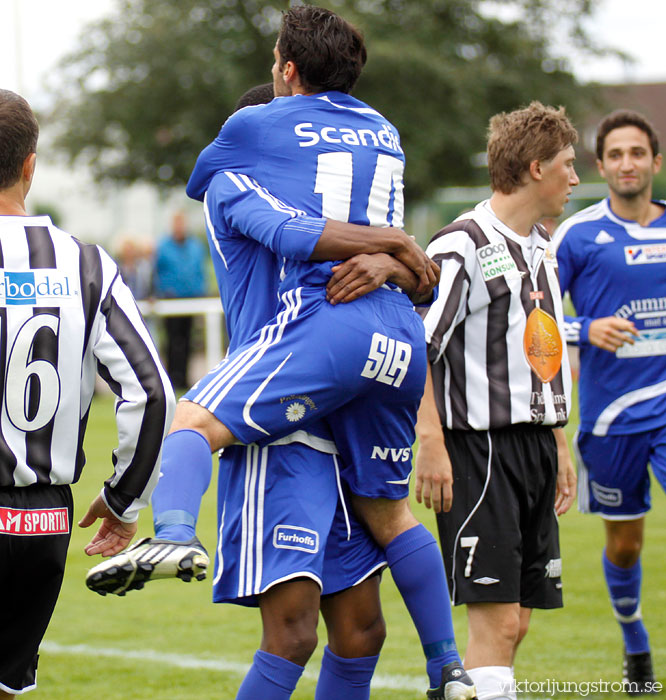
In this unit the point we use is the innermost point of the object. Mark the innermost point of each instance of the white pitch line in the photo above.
(379, 681)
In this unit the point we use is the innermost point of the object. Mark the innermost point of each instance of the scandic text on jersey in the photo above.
(352, 137)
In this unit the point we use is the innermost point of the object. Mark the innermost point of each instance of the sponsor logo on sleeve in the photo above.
(294, 537)
(37, 288)
(38, 521)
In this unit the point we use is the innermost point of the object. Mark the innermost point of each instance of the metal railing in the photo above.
(208, 307)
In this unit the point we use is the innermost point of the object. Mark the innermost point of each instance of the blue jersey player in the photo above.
(363, 363)
(286, 527)
(612, 260)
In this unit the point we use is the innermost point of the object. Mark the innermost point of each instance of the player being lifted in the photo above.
(321, 150)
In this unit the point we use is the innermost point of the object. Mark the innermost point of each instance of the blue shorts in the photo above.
(362, 365)
(613, 477)
(280, 518)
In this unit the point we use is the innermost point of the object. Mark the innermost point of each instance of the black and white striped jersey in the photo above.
(66, 315)
(494, 331)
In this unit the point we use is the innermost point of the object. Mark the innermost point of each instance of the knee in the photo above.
(192, 416)
(494, 634)
(356, 641)
(295, 640)
(523, 626)
(623, 550)
(510, 630)
(373, 638)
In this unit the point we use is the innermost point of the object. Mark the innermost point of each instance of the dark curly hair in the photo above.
(328, 51)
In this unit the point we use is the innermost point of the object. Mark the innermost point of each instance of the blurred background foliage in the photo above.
(151, 84)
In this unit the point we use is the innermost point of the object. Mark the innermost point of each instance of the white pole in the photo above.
(18, 48)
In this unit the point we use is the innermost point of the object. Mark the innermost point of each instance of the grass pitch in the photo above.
(169, 642)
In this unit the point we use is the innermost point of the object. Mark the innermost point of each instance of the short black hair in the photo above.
(328, 51)
(625, 117)
(257, 95)
(18, 136)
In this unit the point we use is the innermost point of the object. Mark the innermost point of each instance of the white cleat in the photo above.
(148, 560)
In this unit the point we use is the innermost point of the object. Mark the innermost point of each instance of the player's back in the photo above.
(328, 154)
(52, 288)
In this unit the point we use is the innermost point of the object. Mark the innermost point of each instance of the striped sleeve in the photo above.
(453, 251)
(129, 363)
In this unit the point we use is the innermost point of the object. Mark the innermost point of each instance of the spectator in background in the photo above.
(179, 273)
(135, 261)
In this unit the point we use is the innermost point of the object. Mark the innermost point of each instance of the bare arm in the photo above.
(434, 479)
(566, 474)
(364, 273)
(340, 241)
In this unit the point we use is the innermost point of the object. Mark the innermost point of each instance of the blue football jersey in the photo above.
(328, 154)
(615, 267)
(249, 233)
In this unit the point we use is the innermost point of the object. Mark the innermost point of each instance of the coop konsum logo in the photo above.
(36, 288)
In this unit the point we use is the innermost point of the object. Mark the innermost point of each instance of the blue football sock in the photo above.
(270, 678)
(418, 571)
(345, 678)
(185, 474)
(624, 587)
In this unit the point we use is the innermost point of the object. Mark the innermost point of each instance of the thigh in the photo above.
(35, 533)
(354, 620)
(374, 432)
(375, 438)
(351, 555)
(541, 566)
(480, 535)
(658, 455)
(613, 474)
(309, 361)
(275, 508)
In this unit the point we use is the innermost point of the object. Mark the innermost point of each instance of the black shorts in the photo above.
(500, 540)
(35, 527)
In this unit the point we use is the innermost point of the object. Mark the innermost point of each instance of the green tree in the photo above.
(151, 85)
